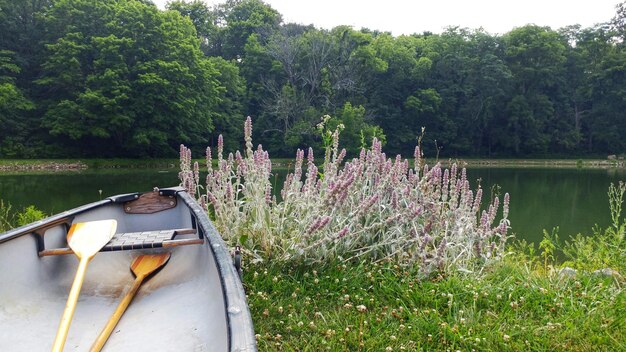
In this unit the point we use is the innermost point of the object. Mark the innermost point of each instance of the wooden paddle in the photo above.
(85, 239)
(142, 267)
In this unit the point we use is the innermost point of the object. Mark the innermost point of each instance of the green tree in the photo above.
(608, 126)
(587, 50)
(13, 106)
(536, 57)
(124, 78)
(471, 80)
(204, 20)
(618, 23)
(399, 71)
(356, 132)
(23, 30)
(243, 19)
(227, 115)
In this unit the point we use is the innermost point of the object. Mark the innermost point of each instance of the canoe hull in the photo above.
(195, 303)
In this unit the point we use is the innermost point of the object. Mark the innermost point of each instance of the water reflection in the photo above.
(572, 199)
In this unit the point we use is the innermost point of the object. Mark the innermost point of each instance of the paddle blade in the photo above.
(146, 264)
(87, 238)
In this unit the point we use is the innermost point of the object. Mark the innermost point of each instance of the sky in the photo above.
(416, 16)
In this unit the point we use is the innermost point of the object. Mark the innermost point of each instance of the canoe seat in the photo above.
(145, 239)
(138, 240)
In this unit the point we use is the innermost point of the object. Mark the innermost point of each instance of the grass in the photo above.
(384, 307)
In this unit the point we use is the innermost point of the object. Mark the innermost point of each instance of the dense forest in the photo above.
(122, 78)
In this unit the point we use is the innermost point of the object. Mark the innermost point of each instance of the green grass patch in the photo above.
(380, 307)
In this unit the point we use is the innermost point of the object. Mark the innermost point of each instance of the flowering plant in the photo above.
(371, 207)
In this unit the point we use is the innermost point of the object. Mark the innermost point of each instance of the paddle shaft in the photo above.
(117, 315)
(70, 306)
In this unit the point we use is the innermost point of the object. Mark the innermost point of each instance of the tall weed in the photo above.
(370, 207)
(7, 217)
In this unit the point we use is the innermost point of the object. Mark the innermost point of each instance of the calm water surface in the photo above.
(572, 199)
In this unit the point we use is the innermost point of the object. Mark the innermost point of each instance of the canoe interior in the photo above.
(181, 308)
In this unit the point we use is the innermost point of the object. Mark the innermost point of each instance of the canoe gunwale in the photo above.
(47, 222)
(69, 214)
(240, 327)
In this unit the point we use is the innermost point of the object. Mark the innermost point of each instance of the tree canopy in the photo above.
(124, 78)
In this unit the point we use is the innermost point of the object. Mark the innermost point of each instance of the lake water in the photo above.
(573, 199)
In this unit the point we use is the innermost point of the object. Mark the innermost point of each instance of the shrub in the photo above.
(30, 214)
(10, 219)
(371, 207)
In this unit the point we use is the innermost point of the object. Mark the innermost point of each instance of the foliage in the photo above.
(123, 70)
(29, 215)
(227, 117)
(123, 78)
(356, 132)
(13, 107)
(370, 207)
(204, 20)
(10, 219)
(246, 18)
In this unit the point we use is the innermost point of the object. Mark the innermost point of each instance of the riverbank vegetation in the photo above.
(368, 208)
(10, 217)
(372, 255)
(121, 78)
(531, 300)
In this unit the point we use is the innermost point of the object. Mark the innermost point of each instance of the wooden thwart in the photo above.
(138, 240)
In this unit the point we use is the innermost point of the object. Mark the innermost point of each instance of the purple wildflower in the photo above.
(343, 232)
(196, 172)
(268, 193)
(477, 200)
(220, 148)
(247, 132)
(505, 206)
(208, 159)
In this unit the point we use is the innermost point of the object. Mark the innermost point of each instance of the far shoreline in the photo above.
(53, 165)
